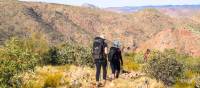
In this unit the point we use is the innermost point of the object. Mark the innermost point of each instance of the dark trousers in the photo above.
(115, 67)
(101, 64)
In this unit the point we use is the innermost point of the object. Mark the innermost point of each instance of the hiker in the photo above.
(100, 58)
(146, 54)
(115, 59)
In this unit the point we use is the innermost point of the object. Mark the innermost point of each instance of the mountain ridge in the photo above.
(129, 9)
(64, 23)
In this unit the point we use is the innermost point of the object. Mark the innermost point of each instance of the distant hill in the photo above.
(182, 40)
(61, 23)
(172, 10)
(129, 9)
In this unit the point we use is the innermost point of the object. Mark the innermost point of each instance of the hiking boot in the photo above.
(99, 85)
(110, 79)
(104, 83)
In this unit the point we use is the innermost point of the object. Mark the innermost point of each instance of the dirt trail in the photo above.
(126, 80)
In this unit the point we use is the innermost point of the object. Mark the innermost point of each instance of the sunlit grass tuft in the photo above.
(53, 80)
(184, 85)
(129, 62)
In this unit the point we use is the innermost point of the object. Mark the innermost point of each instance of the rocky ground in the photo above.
(84, 77)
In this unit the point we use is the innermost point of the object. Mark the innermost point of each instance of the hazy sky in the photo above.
(120, 3)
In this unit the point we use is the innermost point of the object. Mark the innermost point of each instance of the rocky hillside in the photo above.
(17, 19)
(128, 28)
(62, 23)
(181, 40)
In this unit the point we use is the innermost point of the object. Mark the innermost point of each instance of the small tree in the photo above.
(69, 53)
(76, 54)
(51, 57)
(164, 67)
(17, 56)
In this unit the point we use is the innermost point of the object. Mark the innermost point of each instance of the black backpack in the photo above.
(112, 53)
(98, 48)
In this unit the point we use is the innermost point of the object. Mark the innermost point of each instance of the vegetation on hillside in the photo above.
(69, 53)
(48, 45)
(165, 68)
(20, 55)
(63, 22)
(169, 67)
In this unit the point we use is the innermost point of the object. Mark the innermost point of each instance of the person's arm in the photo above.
(120, 56)
(106, 50)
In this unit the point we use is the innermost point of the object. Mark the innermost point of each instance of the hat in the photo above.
(116, 44)
(102, 36)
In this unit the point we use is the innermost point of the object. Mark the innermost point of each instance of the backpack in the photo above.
(112, 54)
(98, 48)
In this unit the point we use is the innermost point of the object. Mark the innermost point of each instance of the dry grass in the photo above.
(59, 77)
(130, 62)
(135, 83)
(53, 80)
(47, 76)
(184, 85)
(131, 65)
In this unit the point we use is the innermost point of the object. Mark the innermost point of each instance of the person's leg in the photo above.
(117, 69)
(104, 65)
(98, 70)
(112, 69)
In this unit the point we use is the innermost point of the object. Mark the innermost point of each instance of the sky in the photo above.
(121, 3)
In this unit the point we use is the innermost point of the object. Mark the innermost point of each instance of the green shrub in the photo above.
(139, 58)
(164, 66)
(135, 57)
(17, 56)
(51, 57)
(191, 63)
(129, 54)
(69, 53)
(76, 54)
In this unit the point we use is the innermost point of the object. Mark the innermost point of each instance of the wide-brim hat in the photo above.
(102, 36)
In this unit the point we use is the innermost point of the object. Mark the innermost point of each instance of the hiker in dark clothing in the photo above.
(115, 58)
(100, 58)
(146, 54)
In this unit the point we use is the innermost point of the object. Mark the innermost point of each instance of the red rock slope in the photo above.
(183, 41)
